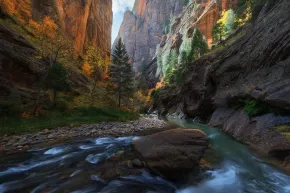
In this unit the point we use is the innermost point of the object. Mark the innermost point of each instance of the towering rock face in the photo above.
(145, 27)
(142, 28)
(83, 20)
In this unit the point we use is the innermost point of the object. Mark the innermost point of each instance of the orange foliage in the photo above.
(47, 28)
(50, 27)
(20, 9)
(158, 85)
(95, 64)
(87, 69)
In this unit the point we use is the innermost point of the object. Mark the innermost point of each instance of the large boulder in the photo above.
(174, 152)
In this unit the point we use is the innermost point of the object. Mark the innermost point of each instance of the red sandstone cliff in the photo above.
(208, 21)
(83, 20)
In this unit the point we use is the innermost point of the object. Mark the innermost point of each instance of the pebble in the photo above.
(25, 141)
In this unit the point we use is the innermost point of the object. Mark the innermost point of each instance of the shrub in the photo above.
(254, 107)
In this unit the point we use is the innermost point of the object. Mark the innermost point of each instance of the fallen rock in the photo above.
(173, 152)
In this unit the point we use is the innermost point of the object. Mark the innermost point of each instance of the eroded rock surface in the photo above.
(173, 151)
(258, 132)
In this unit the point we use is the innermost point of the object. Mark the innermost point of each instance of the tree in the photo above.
(57, 80)
(230, 22)
(172, 62)
(218, 32)
(52, 46)
(182, 65)
(95, 66)
(198, 46)
(121, 73)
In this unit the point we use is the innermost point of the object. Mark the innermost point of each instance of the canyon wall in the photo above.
(244, 87)
(82, 20)
(145, 27)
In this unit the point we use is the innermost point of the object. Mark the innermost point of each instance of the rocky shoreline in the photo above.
(23, 142)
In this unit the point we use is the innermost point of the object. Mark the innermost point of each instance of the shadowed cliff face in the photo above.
(85, 21)
(255, 65)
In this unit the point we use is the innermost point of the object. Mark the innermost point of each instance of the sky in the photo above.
(119, 8)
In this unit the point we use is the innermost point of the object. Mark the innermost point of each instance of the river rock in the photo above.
(172, 152)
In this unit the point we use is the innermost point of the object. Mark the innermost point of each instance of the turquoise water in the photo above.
(239, 169)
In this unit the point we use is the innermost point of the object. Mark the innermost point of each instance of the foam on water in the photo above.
(97, 158)
(54, 151)
(86, 147)
(104, 140)
(218, 181)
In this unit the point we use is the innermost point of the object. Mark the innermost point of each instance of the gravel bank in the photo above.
(142, 126)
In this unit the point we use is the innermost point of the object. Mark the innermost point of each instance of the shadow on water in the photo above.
(74, 167)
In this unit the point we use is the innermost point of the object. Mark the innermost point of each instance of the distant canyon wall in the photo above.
(143, 28)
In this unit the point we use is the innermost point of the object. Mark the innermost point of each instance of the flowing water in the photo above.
(72, 167)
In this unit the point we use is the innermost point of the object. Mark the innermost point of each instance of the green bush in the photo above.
(255, 107)
(155, 94)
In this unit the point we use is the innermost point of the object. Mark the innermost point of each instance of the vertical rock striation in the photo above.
(143, 27)
(85, 21)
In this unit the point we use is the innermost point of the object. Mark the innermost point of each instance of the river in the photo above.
(71, 167)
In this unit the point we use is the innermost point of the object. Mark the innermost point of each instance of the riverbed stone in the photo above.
(113, 129)
(172, 152)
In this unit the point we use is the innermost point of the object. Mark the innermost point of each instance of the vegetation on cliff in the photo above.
(66, 82)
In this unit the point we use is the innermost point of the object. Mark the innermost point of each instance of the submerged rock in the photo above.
(173, 152)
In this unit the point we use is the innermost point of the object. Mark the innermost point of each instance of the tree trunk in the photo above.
(35, 106)
(54, 97)
(120, 99)
(92, 93)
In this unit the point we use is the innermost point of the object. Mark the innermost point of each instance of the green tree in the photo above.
(57, 80)
(184, 62)
(199, 46)
(219, 32)
(121, 73)
(172, 62)
(230, 22)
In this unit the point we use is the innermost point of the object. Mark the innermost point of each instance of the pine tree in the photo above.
(198, 46)
(121, 73)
